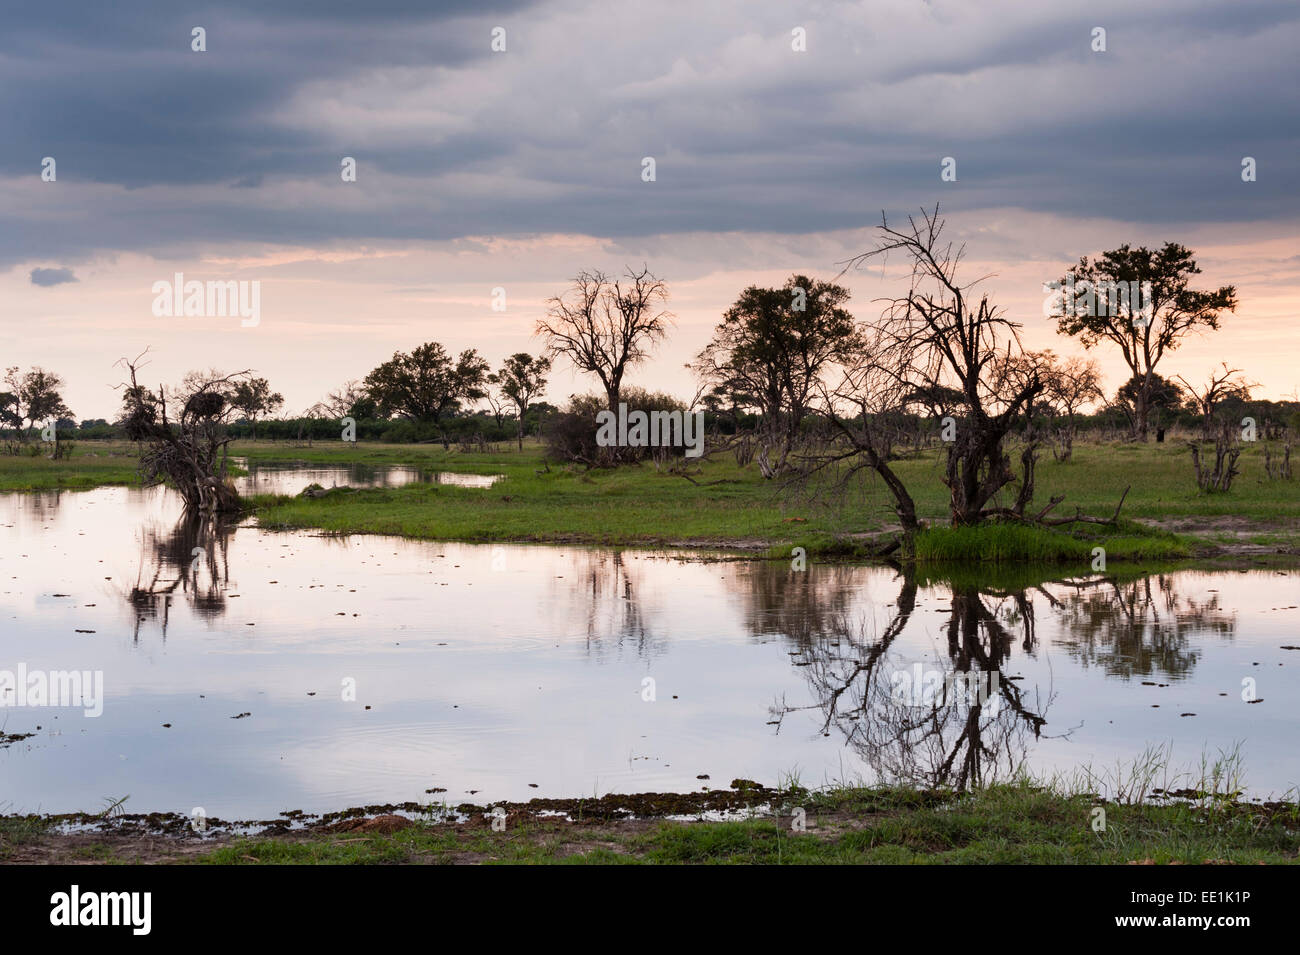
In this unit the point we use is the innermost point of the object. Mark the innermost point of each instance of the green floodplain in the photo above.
(718, 506)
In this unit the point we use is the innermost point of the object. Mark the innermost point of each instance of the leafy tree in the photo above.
(426, 384)
(1162, 397)
(522, 378)
(1175, 310)
(771, 348)
(9, 416)
(32, 398)
(935, 400)
(254, 398)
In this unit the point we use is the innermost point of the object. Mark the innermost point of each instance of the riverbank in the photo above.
(91, 464)
(726, 507)
(1015, 823)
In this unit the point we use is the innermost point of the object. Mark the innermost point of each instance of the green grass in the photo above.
(1076, 545)
(20, 830)
(1142, 810)
(730, 506)
(92, 464)
(735, 508)
(1013, 823)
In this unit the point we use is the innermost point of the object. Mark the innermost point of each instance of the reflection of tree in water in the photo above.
(1128, 628)
(192, 559)
(44, 500)
(953, 739)
(1139, 627)
(607, 589)
(803, 606)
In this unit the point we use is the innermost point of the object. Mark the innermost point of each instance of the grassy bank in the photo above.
(1128, 541)
(91, 464)
(729, 507)
(1016, 823)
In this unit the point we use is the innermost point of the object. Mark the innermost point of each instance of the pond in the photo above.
(267, 477)
(250, 671)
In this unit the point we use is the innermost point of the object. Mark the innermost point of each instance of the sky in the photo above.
(780, 134)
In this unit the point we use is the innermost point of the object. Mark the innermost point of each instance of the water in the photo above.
(490, 668)
(273, 478)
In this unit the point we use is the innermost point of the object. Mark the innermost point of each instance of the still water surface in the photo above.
(518, 671)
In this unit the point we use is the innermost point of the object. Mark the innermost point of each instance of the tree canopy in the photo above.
(426, 384)
(1142, 331)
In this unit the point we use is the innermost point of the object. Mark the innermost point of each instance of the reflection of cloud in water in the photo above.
(492, 674)
(291, 478)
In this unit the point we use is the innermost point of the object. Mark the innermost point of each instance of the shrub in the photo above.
(571, 434)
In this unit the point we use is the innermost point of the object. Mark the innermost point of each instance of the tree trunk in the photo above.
(1144, 409)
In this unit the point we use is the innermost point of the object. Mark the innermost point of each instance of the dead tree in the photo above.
(188, 452)
(1227, 449)
(937, 336)
(936, 344)
(1223, 386)
(605, 326)
(1277, 468)
(864, 411)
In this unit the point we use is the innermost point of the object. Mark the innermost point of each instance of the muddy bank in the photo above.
(746, 823)
(147, 838)
(743, 795)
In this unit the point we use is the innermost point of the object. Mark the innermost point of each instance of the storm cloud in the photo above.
(48, 277)
(161, 149)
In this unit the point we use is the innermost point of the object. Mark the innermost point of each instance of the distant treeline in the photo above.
(1272, 418)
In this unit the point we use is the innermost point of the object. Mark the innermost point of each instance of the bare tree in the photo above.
(605, 326)
(937, 336)
(1073, 384)
(340, 402)
(188, 452)
(1222, 386)
(1069, 385)
(496, 402)
(864, 410)
(1227, 449)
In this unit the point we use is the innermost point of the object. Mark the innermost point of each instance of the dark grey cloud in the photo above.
(115, 93)
(48, 277)
(159, 148)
